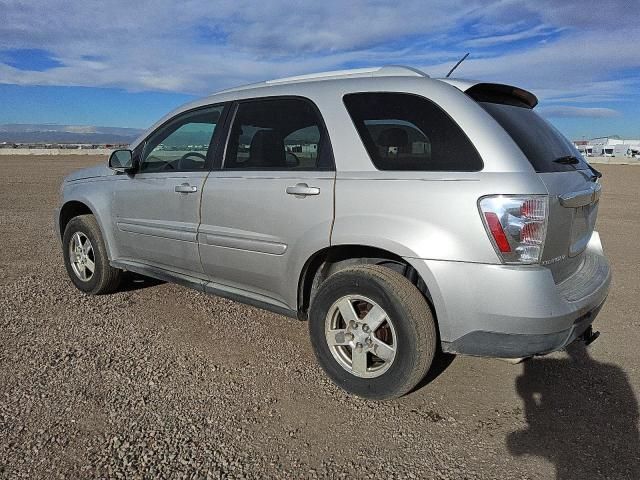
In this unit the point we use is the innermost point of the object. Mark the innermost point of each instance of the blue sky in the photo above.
(123, 63)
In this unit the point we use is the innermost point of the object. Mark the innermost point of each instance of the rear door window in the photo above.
(278, 134)
(545, 147)
(402, 131)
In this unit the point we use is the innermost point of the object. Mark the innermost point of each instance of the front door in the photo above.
(157, 210)
(270, 206)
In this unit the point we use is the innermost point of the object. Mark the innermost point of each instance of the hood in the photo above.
(89, 172)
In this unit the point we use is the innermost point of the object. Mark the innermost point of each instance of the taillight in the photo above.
(517, 225)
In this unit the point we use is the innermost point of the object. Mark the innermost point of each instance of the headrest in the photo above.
(393, 137)
(267, 149)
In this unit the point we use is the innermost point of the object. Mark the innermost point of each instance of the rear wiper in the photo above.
(572, 160)
(567, 160)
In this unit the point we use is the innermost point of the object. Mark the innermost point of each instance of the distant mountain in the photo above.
(50, 133)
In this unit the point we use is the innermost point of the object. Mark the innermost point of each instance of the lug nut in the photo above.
(365, 328)
(358, 347)
(348, 337)
(353, 324)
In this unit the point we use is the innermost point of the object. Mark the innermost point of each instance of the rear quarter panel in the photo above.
(426, 215)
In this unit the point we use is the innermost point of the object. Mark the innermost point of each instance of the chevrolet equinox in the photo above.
(397, 213)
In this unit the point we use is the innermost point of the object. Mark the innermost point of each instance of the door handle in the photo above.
(303, 190)
(186, 188)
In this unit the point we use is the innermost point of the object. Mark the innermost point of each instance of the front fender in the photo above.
(98, 199)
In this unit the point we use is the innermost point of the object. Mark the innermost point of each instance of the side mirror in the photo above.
(121, 161)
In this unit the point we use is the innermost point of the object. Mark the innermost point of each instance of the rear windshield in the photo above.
(544, 146)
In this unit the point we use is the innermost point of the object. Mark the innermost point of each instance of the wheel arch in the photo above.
(71, 209)
(78, 206)
(329, 260)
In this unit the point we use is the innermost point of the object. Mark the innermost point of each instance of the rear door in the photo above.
(270, 205)
(572, 184)
(157, 210)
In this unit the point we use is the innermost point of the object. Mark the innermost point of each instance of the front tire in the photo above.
(372, 331)
(85, 257)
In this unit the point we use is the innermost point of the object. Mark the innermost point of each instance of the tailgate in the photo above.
(573, 193)
(573, 208)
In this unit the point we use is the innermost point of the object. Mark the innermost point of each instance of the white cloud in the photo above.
(501, 39)
(198, 46)
(564, 111)
(583, 64)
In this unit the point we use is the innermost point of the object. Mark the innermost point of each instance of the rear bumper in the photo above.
(510, 311)
(516, 345)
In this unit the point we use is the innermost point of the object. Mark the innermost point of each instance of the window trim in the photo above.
(214, 143)
(324, 134)
(364, 142)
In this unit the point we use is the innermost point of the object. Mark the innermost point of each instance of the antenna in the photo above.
(456, 65)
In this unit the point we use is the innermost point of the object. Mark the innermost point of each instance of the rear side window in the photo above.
(407, 132)
(545, 147)
(277, 134)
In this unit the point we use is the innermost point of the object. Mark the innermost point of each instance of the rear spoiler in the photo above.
(504, 94)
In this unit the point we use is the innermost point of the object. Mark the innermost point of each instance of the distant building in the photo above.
(612, 146)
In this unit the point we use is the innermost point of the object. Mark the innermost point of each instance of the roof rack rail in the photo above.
(384, 71)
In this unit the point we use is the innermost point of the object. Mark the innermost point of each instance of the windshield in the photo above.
(545, 147)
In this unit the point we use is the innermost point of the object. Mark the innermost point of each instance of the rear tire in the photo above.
(379, 356)
(85, 257)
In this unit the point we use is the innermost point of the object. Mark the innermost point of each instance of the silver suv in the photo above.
(397, 213)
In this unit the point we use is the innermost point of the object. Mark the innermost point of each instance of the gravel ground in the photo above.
(161, 381)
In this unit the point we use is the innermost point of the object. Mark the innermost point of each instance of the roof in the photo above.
(391, 77)
(384, 71)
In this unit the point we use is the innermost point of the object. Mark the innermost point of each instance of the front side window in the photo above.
(277, 134)
(406, 132)
(183, 144)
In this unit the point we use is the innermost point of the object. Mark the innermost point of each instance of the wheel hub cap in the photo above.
(360, 336)
(81, 256)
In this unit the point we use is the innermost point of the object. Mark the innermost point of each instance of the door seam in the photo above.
(204, 184)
